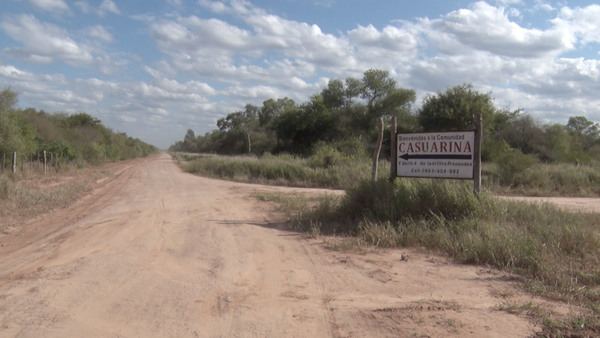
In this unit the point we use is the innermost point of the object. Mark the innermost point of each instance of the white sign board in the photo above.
(436, 155)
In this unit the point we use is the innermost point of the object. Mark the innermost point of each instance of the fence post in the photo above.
(14, 162)
(3, 161)
(477, 153)
(393, 145)
(377, 149)
(45, 171)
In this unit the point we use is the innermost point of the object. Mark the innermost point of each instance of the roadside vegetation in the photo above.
(327, 142)
(76, 143)
(553, 253)
(78, 139)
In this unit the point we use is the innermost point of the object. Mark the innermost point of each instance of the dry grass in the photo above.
(30, 193)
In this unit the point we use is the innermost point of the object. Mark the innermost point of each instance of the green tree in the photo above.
(334, 95)
(244, 122)
(8, 99)
(585, 132)
(82, 120)
(15, 133)
(301, 128)
(583, 126)
(455, 108)
(189, 141)
(382, 96)
(273, 108)
(524, 134)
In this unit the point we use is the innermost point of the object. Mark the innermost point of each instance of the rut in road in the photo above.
(161, 253)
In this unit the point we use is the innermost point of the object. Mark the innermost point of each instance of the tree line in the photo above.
(343, 116)
(73, 138)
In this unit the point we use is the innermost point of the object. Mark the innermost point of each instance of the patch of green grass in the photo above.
(324, 170)
(544, 180)
(330, 168)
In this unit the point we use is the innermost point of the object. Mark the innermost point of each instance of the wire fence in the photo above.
(41, 162)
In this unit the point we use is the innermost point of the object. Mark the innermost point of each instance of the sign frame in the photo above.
(441, 154)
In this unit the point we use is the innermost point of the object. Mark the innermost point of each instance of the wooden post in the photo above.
(477, 154)
(377, 149)
(14, 162)
(3, 161)
(393, 150)
(45, 163)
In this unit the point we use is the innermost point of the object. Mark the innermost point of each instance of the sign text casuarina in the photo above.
(437, 155)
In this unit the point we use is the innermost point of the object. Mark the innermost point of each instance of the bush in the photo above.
(325, 157)
(94, 153)
(407, 200)
(512, 163)
(63, 151)
(560, 179)
(352, 147)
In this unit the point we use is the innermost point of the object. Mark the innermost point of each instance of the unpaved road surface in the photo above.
(159, 253)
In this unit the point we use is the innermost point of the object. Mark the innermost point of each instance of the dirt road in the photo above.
(160, 253)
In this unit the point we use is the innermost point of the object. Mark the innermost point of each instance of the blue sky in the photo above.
(155, 68)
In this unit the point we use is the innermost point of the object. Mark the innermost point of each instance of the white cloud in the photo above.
(214, 6)
(54, 6)
(42, 42)
(487, 28)
(107, 6)
(388, 47)
(100, 33)
(84, 6)
(582, 22)
(175, 2)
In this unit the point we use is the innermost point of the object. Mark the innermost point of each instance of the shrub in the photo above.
(94, 153)
(325, 157)
(512, 163)
(63, 151)
(560, 179)
(410, 199)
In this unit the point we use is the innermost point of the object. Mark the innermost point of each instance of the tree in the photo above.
(583, 126)
(244, 122)
(334, 95)
(454, 109)
(382, 99)
(377, 86)
(82, 120)
(189, 142)
(8, 99)
(272, 108)
(9, 130)
(382, 96)
(15, 133)
(300, 128)
(585, 132)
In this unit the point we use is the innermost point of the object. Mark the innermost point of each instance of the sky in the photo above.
(156, 68)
